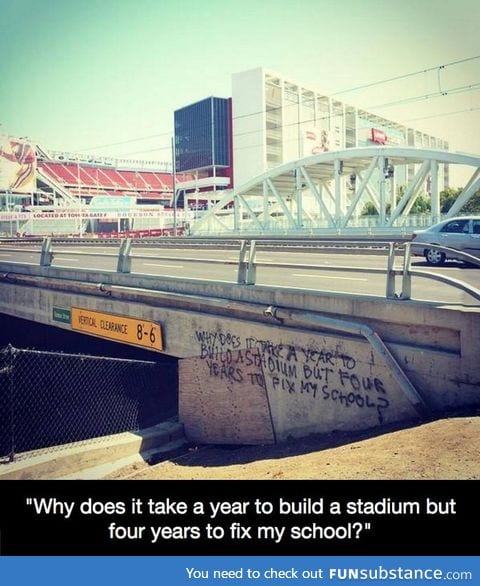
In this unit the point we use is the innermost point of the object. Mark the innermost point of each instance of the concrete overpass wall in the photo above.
(246, 376)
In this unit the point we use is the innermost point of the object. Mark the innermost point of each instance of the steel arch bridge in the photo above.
(325, 193)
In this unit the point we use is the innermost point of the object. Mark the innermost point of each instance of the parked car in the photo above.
(461, 234)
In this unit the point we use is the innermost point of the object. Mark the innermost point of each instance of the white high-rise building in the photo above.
(277, 120)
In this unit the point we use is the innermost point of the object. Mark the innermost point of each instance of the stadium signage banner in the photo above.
(378, 136)
(18, 165)
(72, 214)
(315, 141)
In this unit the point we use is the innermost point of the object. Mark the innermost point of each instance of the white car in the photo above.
(461, 234)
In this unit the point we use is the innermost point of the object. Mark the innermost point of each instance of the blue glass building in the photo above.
(203, 136)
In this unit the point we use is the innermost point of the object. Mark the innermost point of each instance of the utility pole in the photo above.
(174, 187)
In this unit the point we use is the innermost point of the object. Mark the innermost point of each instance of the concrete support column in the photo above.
(212, 410)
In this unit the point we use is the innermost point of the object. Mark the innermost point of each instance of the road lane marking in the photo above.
(57, 258)
(148, 264)
(5, 254)
(263, 259)
(329, 277)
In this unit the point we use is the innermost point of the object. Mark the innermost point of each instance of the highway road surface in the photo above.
(305, 270)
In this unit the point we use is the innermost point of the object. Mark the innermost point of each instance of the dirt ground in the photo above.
(438, 450)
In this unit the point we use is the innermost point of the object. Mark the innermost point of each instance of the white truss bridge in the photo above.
(326, 193)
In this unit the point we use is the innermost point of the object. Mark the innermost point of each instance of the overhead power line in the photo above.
(101, 146)
(457, 90)
(443, 114)
(453, 91)
(411, 99)
(406, 75)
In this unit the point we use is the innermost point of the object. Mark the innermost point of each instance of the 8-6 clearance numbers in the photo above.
(145, 332)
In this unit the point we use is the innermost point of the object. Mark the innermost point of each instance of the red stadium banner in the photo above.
(378, 136)
(315, 141)
(18, 164)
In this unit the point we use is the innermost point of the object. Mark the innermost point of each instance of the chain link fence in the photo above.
(48, 399)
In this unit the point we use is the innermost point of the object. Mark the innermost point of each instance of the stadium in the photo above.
(74, 195)
(275, 157)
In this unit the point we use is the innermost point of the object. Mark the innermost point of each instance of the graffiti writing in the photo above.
(322, 374)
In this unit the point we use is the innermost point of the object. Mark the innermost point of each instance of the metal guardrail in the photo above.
(408, 272)
(246, 276)
(248, 265)
(304, 242)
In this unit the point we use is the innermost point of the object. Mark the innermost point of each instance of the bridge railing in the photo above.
(406, 272)
(248, 266)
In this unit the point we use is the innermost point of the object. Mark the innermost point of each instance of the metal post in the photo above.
(393, 194)
(174, 186)
(266, 212)
(79, 195)
(252, 267)
(9, 200)
(246, 264)
(390, 292)
(338, 191)
(46, 255)
(299, 198)
(81, 220)
(407, 276)
(381, 189)
(124, 264)
(237, 213)
(241, 276)
(434, 193)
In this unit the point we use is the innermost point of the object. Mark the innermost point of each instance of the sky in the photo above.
(105, 76)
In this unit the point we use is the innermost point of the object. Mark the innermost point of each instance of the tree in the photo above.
(422, 205)
(473, 205)
(369, 209)
(448, 198)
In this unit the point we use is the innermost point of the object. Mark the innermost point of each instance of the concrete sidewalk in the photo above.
(96, 458)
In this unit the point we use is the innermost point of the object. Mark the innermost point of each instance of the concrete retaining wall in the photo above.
(245, 377)
(255, 384)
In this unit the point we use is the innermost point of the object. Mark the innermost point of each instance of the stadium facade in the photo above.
(53, 192)
(305, 162)
(219, 143)
(271, 120)
(277, 120)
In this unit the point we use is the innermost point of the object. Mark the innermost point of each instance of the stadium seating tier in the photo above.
(96, 180)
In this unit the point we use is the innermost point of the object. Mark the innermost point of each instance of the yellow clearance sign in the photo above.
(129, 330)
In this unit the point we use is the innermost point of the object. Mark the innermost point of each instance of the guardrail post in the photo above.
(252, 267)
(247, 269)
(390, 293)
(46, 255)
(124, 261)
(407, 276)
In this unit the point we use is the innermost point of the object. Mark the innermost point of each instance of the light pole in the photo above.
(79, 197)
(174, 186)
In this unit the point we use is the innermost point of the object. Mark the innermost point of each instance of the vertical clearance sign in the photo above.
(129, 330)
